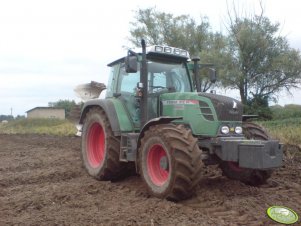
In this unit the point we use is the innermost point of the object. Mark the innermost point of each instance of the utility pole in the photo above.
(11, 111)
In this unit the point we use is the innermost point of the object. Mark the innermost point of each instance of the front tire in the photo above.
(170, 161)
(100, 148)
(248, 176)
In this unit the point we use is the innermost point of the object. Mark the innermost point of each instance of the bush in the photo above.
(288, 131)
(288, 111)
(258, 106)
(39, 126)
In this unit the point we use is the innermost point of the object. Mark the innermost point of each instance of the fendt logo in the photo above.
(234, 105)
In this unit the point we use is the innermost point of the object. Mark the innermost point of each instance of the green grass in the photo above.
(38, 126)
(288, 130)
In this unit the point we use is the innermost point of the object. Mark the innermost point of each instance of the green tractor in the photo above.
(152, 118)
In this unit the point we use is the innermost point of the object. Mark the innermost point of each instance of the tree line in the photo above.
(251, 57)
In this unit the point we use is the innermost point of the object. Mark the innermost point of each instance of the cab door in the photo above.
(126, 89)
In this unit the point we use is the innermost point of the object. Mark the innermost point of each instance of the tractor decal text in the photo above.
(180, 102)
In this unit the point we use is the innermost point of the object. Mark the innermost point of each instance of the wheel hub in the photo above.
(164, 163)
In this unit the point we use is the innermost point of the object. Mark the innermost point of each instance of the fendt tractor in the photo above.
(156, 118)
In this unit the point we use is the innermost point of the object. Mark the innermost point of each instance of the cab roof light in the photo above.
(158, 49)
(167, 49)
(184, 53)
(176, 51)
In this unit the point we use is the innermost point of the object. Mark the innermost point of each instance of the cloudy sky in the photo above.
(47, 47)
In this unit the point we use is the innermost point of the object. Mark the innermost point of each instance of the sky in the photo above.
(47, 47)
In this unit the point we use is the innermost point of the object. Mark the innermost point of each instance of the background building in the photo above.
(46, 112)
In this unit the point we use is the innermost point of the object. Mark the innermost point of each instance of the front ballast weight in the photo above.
(252, 154)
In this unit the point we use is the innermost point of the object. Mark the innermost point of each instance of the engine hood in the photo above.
(227, 108)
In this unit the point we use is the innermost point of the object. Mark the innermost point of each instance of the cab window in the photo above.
(127, 81)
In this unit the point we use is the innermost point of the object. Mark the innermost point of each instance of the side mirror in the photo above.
(212, 74)
(131, 64)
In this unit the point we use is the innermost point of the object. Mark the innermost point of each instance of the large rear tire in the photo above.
(248, 176)
(100, 148)
(170, 161)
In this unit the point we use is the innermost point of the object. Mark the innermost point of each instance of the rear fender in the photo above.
(115, 112)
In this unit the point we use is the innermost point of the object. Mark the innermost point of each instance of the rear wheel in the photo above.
(100, 148)
(170, 161)
(248, 176)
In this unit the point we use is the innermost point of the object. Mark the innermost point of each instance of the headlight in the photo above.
(238, 130)
(225, 129)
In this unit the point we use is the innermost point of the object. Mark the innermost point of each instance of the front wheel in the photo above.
(170, 161)
(248, 176)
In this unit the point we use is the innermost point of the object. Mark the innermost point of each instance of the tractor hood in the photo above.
(227, 109)
(205, 113)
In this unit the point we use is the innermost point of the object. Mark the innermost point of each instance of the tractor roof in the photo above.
(161, 52)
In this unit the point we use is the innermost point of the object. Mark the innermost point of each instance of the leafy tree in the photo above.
(260, 106)
(180, 31)
(20, 117)
(263, 64)
(252, 58)
(66, 104)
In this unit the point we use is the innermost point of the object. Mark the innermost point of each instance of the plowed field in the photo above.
(42, 182)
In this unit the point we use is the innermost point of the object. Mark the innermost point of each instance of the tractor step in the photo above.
(128, 147)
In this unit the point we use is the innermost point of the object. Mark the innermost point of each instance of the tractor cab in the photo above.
(166, 71)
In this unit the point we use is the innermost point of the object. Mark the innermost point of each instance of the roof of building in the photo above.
(36, 108)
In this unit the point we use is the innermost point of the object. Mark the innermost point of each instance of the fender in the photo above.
(154, 121)
(109, 108)
(247, 117)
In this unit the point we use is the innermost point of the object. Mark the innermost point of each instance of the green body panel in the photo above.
(189, 109)
(122, 116)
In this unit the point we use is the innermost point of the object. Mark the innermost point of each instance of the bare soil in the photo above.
(42, 182)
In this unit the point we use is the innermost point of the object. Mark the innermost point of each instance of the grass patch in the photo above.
(38, 126)
(288, 130)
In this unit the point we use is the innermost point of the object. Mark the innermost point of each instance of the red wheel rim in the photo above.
(234, 166)
(158, 175)
(96, 145)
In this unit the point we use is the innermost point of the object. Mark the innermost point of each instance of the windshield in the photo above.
(172, 77)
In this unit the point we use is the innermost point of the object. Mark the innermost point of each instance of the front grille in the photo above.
(224, 107)
(206, 111)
